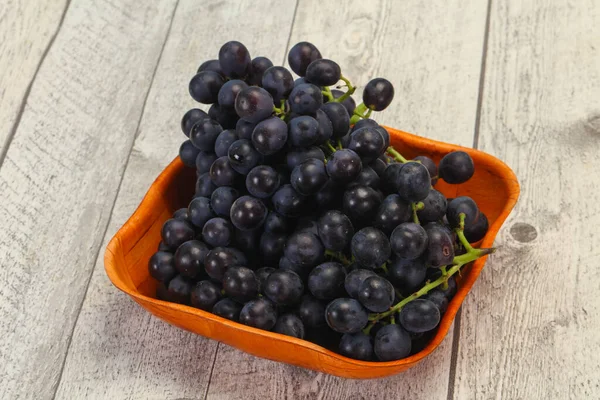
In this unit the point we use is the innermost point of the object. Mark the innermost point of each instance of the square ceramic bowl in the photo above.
(494, 187)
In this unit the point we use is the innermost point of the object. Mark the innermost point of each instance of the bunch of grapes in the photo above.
(305, 220)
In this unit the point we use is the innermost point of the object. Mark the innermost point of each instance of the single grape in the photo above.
(244, 129)
(462, 205)
(392, 343)
(419, 315)
(431, 167)
(301, 55)
(357, 345)
(270, 136)
(366, 177)
(204, 185)
(200, 211)
(438, 298)
(299, 155)
(407, 276)
(360, 203)
(390, 178)
(222, 173)
(287, 201)
(323, 72)
(225, 116)
(258, 66)
(339, 117)
(271, 247)
(234, 59)
(440, 249)
(305, 99)
(309, 177)
(370, 247)
(304, 249)
(242, 156)
(355, 278)
(227, 308)
(190, 118)
(329, 197)
(284, 287)
(303, 131)
(348, 103)
(222, 199)
(392, 212)
(378, 94)
(240, 284)
(335, 230)
(217, 232)
(179, 290)
(248, 213)
(219, 259)
(182, 214)
(434, 209)
(189, 258)
(259, 313)
(204, 160)
(204, 134)
(408, 240)
(346, 315)
(290, 325)
(376, 294)
(276, 223)
(344, 166)
(326, 281)
(161, 266)
(224, 140)
(312, 311)
(205, 295)
(175, 232)
(368, 143)
(413, 182)
(254, 104)
(477, 230)
(204, 87)
(456, 167)
(378, 166)
(278, 81)
(262, 181)
(211, 65)
(229, 92)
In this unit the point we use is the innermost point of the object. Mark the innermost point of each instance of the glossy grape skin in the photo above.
(407, 276)
(276, 223)
(413, 182)
(284, 287)
(223, 141)
(217, 232)
(335, 230)
(204, 87)
(326, 281)
(477, 230)
(325, 130)
(179, 290)
(303, 131)
(434, 209)
(182, 214)
(262, 181)
(339, 117)
(392, 212)
(222, 173)
(298, 156)
(438, 298)
(211, 65)
(409, 240)
(301, 55)
(348, 103)
(379, 166)
(254, 104)
(204, 133)
(189, 258)
(240, 283)
(204, 160)
(440, 249)
(305, 99)
(161, 266)
(366, 177)
(242, 156)
(270, 136)
(431, 167)
(290, 325)
(360, 203)
(378, 94)
(368, 143)
(462, 205)
(248, 213)
(244, 129)
(258, 66)
(354, 279)
(391, 343)
(234, 59)
(376, 294)
(225, 116)
(385, 135)
(419, 315)
(190, 118)
(390, 177)
(222, 199)
(309, 177)
(304, 249)
(229, 92)
(205, 295)
(312, 311)
(346, 315)
(370, 247)
(456, 167)
(344, 166)
(271, 247)
(227, 308)
(287, 201)
(358, 346)
(278, 81)
(219, 259)
(175, 232)
(204, 185)
(323, 72)
(200, 211)
(259, 313)
(329, 197)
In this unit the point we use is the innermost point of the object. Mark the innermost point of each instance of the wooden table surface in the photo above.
(91, 95)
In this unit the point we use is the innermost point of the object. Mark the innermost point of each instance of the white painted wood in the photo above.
(118, 350)
(26, 30)
(431, 52)
(530, 328)
(60, 178)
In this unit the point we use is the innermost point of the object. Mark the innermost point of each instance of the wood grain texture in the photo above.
(118, 350)
(26, 31)
(60, 178)
(530, 328)
(432, 55)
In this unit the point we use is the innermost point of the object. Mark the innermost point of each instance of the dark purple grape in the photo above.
(299, 155)
(234, 59)
(354, 279)
(348, 103)
(346, 315)
(162, 266)
(278, 81)
(360, 203)
(325, 130)
(242, 156)
(309, 177)
(456, 167)
(204, 87)
(248, 213)
(271, 247)
(366, 177)
(244, 129)
(392, 212)
(419, 315)
(323, 72)
(190, 118)
(240, 284)
(287, 201)
(462, 205)
(477, 230)
(339, 117)
(440, 249)
(204, 160)
(225, 116)
(434, 209)
(370, 247)
(211, 65)
(189, 258)
(301, 55)
(222, 199)
(175, 232)
(304, 249)
(376, 294)
(217, 232)
(306, 99)
(204, 134)
(357, 345)
(270, 136)
(438, 298)
(254, 104)
(390, 178)
(262, 181)
(409, 240)
(276, 223)
(378, 166)
(344, 166)
(222, 173)
(258, 67)
(259, 313)
(179, 290)
(312, 311)
(205, 295)
(227, 308)
(326, 281)
(335, 230)
(431, 167)
(204, 185)
(224, 140)
(200, 211)
(284, 287)
(303, 131)
(219, 259)
(290, 325)
(407, 276)
(182, 214)
(378, 94)
(384, 134)
(392, 343)
(413, 182)
(367, 142)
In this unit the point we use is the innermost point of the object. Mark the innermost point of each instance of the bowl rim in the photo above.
(513, 189)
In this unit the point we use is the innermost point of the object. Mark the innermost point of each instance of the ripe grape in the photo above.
(262, 181)
(222, 199)
(205, 295)
(367, 142)
(175, 232)
(366, 177)
(254, 104)
(278, 81)
(349, 103)
(301, 55)
(407, 275)
(431, 167)
(378, 94)
(413, 182)
(376, 294)
(304, 249)
(204, 185)
(217, 232)
(162, 266)
(409, 240)
(390, 178)
(211, 65)
(434, 209)
(392, 212)
(360, 203)
(276, 223)
(284, 287)
(462, 205)
(379, 166)
(339, 117)
(303, 131)
(392, 343)
(204, 160)
(355, 278)
(309, 177)
(189, 258)
(477, 230)
(200, 211)
(305, 99)
(204, 134)
(438, 298)
(248, 213)
(270, 135)
(357, 345)
(335, 230)
(299, 155)
(344, 166)
(287, 201)
(323, 72)
(346, 315)
(271, 247)
(419, 315)
(223, 141)
(182, 214)
(291, 325)
(219, 259)
(225, 116)
(190, 118)
(440, 249)
(229, 92)
(179, 290)
(326, 281)
(227, 308)
(258, 66)
(234, 59)
(204, 87)
(240, 283)
(370, 247)
(222, 172)
(244, 129)
(242, 156)
(259, 313)
(456, 167)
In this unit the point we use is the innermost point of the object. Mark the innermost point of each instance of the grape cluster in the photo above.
(305, 221)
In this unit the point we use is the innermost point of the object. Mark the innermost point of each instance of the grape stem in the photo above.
(330, 147)
(327, 93)
(384, 268)
(416, 207)
(359, 113)
(367, 330)
(348, 93)
(338, 256)
(339, 144)
(397, 156)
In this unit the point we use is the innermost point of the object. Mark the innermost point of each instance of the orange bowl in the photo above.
(494, 187)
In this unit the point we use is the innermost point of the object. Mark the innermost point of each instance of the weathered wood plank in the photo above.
(530, 328)
(60, 178)
(26, 31)
(118, 350)
(432, 54)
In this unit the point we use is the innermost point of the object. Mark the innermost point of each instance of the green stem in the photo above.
(397, 156)
(338, 256)
(367, 330)
(461, 234)
(392, 320)
(327, 93)
(384, 268)
(330, 147)
(416, 207)
(348, 93)
(339, 144)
